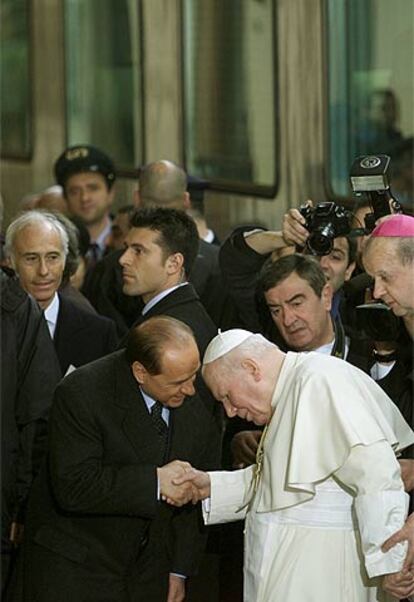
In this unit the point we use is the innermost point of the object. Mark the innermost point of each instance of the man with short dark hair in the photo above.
(87, 176)
(161, 247)
(245, 251)
(299, 299)
(161, 184)
(97, 528)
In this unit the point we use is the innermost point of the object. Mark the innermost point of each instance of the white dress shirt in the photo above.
(51, 314)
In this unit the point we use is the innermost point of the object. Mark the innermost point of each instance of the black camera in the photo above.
(369, 176)
(377, 322)
(325, 222)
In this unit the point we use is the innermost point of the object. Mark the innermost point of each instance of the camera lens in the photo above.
(320, 242)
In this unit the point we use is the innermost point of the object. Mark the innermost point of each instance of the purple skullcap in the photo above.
(395, 226)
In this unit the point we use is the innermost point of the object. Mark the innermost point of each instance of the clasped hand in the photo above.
(399, 584)
(180, 483)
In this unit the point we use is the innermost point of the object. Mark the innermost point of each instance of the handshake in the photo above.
(180, 483)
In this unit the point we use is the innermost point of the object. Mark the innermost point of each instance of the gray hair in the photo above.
(32, 218)
(405, 249)
(403, 245)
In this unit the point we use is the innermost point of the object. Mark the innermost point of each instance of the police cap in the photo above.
(81, 158)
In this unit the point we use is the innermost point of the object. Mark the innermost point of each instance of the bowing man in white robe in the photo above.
(326, 489)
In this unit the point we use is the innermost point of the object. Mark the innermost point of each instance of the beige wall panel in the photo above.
(162, 100)
(21, 178)
(300, 125)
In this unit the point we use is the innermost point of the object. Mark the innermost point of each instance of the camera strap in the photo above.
(339, 348)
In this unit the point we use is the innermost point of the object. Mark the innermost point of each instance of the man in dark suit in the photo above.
(161, 184)
(97, 528)
(37, 244)
(161, 247)
(29, 375)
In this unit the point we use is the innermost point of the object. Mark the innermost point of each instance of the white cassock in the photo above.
(330, 490)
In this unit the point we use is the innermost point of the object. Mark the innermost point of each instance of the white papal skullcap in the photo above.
(224, 342)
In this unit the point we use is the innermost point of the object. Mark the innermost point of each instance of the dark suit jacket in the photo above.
(184, 304)
(29, 375)
(81, 336)
(95, 530)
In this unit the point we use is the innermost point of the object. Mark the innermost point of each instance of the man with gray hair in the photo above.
(389, 259)
(37, 246)
(325, 459)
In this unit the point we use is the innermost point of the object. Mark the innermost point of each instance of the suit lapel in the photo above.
(184, 427)
(67, 323)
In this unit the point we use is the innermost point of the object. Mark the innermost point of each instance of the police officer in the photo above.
(87, 176)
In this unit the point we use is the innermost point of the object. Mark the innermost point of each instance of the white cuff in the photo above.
(379, 516)
(227, 493)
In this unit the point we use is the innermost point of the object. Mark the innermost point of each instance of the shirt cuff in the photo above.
(380, 515)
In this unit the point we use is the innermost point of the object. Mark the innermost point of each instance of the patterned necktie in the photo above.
(159, 422)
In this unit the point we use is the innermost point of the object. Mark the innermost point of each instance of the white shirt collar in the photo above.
(327, 349)
(160, 296)
(209, 237)
(51, 314)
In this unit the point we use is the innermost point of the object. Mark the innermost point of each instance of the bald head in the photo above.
(163, 183)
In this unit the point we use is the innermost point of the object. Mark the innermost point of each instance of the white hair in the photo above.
(32, 218)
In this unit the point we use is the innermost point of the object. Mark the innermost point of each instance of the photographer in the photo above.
(247, 248)
(339, 263)
(389, 258)
(323, 231)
